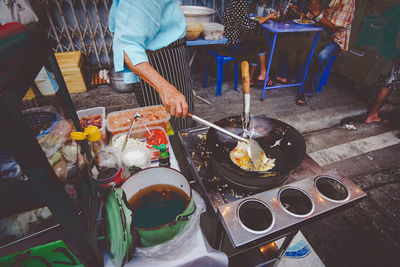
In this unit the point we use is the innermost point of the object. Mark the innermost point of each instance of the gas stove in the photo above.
(247, 216)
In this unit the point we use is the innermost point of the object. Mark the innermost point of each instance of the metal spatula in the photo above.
(253, 149)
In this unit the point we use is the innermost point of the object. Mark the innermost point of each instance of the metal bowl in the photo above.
(198, 13)
(118, 84)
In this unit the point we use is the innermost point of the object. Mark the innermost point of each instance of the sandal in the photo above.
(261, 82)
(302, 100)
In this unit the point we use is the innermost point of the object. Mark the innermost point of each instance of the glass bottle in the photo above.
(163, 160)
(105, 167)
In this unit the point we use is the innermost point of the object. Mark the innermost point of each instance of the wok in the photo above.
(278, 140)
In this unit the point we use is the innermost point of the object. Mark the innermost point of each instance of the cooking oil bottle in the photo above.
(105, 167)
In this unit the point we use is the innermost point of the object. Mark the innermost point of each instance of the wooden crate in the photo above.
(71, 68)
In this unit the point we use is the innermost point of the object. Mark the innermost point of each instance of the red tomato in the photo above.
(159, 137)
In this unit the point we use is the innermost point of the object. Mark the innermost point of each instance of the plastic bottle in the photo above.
(163, 160)
(105, 167)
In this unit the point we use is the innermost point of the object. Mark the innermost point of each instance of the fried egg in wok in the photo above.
(240, 157)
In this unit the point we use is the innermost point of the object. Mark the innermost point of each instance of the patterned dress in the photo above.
(236, 21)
(392, 80)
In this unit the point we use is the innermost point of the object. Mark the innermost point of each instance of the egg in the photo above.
(240, 157)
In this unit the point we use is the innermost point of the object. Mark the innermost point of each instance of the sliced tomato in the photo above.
(159, 136)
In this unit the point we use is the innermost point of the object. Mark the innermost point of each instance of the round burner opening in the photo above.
(255, 216)
(296, 202)
(331, 189)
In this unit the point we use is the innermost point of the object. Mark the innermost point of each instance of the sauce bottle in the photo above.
(163, 160)
(105, 167)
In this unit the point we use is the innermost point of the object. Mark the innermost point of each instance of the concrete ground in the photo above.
(366, 233)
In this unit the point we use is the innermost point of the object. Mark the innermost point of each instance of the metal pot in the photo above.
(156, 176)
(118, 84)
(198, 13)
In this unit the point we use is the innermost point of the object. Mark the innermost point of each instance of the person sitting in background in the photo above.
(237, 24)
(336, 18)
(262, 8)
(285, 48)
(391, 82)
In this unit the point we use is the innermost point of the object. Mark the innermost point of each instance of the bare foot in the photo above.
(372, 118)
(261, 77)
(282, 80)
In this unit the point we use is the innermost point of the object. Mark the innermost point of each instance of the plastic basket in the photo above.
(42, 122)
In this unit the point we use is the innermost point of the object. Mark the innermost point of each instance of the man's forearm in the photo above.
(147, 73)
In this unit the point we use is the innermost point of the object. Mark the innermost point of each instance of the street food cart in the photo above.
(253, 209)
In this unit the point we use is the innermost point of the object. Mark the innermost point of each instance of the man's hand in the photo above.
(174, 101)
(273, 15)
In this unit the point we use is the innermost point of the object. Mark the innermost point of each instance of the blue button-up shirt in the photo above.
(141, 25)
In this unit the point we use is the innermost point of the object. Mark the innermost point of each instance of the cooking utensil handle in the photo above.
(129, 132)
(216, 127)
(245, 77)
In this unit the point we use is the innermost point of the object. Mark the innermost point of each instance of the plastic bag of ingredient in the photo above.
(52, 141)
(8, 167)
(19, 225)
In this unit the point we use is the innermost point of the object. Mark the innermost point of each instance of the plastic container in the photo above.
(193, 30)
(141, 135)
(95, 111)
(119, 121)
(46, 83)
(213, 31)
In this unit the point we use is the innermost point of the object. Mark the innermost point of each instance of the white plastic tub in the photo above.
(95, 111)
(213, 31)
(141, 135)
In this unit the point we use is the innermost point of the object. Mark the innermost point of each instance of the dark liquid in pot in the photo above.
(107, 173)
(157, 205)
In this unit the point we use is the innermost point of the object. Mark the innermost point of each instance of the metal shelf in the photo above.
(26, 56)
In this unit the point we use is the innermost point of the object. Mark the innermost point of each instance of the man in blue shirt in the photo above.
(148, 44)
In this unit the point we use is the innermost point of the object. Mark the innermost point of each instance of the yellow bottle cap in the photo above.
(93, 133)
(78, 136)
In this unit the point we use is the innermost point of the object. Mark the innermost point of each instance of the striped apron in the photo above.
(171, 63)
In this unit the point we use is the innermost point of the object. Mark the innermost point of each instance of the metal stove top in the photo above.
(273, 210)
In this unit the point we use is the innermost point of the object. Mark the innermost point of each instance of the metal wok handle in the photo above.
(212, 125)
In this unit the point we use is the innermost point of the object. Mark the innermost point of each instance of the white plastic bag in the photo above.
(188, 248)
(16, 11)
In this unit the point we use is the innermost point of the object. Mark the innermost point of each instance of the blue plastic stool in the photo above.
(221, 60)
(325, 76)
